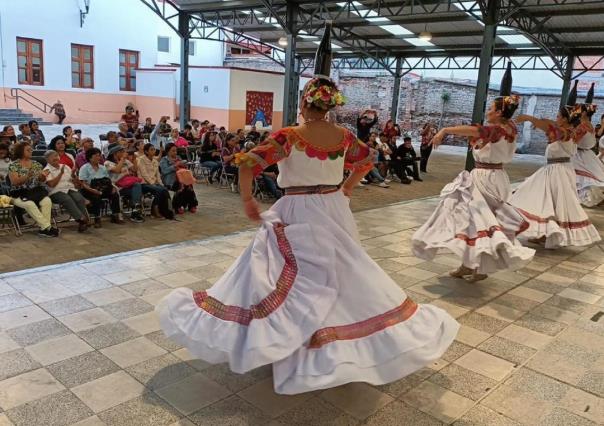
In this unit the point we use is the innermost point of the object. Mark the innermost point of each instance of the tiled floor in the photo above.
(79, 343)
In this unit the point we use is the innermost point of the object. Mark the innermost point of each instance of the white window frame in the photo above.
(169, 44)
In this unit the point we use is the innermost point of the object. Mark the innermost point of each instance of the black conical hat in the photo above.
(323, 55)
(572, 96)
(589, 99)
(505, 89)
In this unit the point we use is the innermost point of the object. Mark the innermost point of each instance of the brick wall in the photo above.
(421, 100)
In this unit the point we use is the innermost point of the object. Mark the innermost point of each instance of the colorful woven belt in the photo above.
(489, 166)
(558, 160)
(304, 190)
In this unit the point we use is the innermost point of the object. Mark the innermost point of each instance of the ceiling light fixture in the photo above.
(425, 35)
(283, 41)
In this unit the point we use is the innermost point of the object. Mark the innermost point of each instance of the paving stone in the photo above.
(263, 396)
(456, 350)
(82, 369)
(232, 411)
(58, 349)
(517, 406)
(531, 294)
(463, 382)
(501, 312)
(588, 288)
(483, 323)
(584, 404)
(144, 324)
(144, 288)
(193, 393)
(160, 371)
(37, 332)
(593, 381)
(516, 302)
(132, 352)
(525, 336)
(87, 320)
(27, 387)
(66, 306)
(540, 324)
(16, 362)
(100, 394)
(397, 411)
(108, 335)
(6, 343)
(471, 336)
(21, 316)
(62, 408)
(568, 304)
(222, 375)
(128, 308)
(483, 416)
(559, 416)
(437, 401)
(13, 301)
(543, 286)
(537, 385)
(147, 409)
(578, 295)
(485, 364)
(357, 399)
(507, 349)
(160, 339)
(407, 383)
(314, 411)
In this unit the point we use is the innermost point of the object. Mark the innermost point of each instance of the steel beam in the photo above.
(396, 89)
(184, 110)
(568, 76)
(491, 9)
(292, 69)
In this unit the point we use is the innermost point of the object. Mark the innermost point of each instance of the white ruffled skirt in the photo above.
(590, 177)
(464, 223)
(548, 201)
(306, 298)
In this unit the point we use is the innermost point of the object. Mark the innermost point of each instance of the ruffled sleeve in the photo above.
(555, 133)
(581, 130)
(274, 149)
(359, 157)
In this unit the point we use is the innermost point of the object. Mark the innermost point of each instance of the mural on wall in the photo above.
(259, 107)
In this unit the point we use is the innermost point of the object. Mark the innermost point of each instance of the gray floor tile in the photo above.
(222, 374)
(144, 288)
(13, 301)
(506, 349)
(462, 381)
(540, 324)
(405, 384)
(108, 335)
(62, 408)
(561, 417)
(593, 381)
(483, 416)
(232, 411)
(537, 385)
(483, 322)
(314, 412)
(516, 302)
(16, 362)
(568, 304)
(544, 286)
(37, 332)
(147, 409)
(82, 369)
(66, 306)
(161, 371)
(160, 339)
(456, 350)
(398, 413)
(588, 288)
(128, 308)
(580, 355)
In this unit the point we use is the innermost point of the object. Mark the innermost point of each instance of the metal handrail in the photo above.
(15, 94)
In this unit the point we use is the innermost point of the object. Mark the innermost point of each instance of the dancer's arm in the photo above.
(467, 131)
(540, 123)
(250, 206)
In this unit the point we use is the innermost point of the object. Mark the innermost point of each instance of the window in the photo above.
(191, 48)
(30, 67)
(163, 44)
(236, 49)
(128, 65)
(82, 67)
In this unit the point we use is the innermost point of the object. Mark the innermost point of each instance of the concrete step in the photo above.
(16, 123)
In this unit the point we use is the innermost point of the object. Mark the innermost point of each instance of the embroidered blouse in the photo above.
(561, 142)
(304, 164)
(495, 144)
(584, 136)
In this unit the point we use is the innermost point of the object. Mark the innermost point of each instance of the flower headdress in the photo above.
(511, 100)
(323, 96)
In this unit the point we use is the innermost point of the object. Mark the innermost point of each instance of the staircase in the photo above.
(17, 116)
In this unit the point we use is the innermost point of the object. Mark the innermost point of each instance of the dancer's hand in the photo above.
(522, 118)
(250, 206)
(347, 191)
(437, 139)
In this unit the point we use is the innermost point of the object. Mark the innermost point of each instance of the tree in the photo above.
(445, 97)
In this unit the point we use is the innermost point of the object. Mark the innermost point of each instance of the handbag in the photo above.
(102, 184)
(128, 181)
(35, 194)
(185, 177)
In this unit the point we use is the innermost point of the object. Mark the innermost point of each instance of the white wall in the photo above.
(242, 81)
(111, 25)
(210, 88)
(156, 83)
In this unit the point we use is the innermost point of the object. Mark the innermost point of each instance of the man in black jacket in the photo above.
(365, 122)
(403, 158)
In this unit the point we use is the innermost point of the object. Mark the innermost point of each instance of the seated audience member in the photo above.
(184, 195)
(25, 134)
(8, 136)
(205, 126)
(59, 110)
(228, 156)
(240, 137)
(130, 118)
(374, 175)
(196, 130)
(112, 140)
(57, 144)
(71, 142)
(269, 177)
(138, 148)
(4, 163)
(366, 120)
(28, 190)
(123, 174)
(37, 137)
(62, 191)
(188, 134)
(264, 136)
(253, 134)
(148, 128)
(177, 139)
(209, 154)
(148, 170)
(124, 131)
(80, 158)
(403, 158)
(222, 135)
(163, 127)
(96, 185)
(77, 134)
